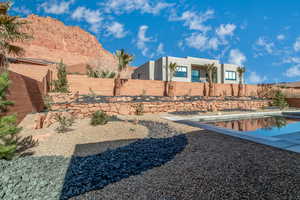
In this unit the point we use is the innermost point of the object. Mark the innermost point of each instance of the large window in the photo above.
(230, 75)
(181, 71)
(195, 75)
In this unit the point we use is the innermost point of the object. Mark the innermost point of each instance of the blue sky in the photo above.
(262, 35)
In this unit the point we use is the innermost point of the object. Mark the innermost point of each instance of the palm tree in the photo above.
(211, 70)
(123, 60)
(172, 69)
(10, 34)
(240, 71)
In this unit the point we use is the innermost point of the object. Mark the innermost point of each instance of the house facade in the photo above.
(190, 69)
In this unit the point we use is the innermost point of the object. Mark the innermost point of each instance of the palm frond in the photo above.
(123, 59)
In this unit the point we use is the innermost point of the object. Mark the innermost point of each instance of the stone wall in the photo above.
(127, 106)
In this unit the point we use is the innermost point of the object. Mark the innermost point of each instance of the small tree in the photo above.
(4, 84)
(61, 84)
(240, 71)
(279, 100)
(123, 60)
(211, 71)
(172, 69)
(8, 137)
(8, 126)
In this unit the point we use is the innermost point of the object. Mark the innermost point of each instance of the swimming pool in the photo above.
(277, 130)
(269, 126)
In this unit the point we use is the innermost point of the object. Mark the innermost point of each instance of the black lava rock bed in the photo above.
(165, 166)
(141, 99)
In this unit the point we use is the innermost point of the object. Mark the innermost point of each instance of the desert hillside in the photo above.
(54, 41)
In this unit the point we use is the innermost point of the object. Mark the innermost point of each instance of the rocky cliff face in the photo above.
(55, 41)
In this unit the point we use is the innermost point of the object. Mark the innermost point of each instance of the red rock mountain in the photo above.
(54, 41)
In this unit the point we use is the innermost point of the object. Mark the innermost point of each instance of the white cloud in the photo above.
(280, 37)
(236, 57)
(160, 49)
(293, 71)
(202, 42)
(92, 17)
(56, 7)
(142, 41)
(127, 6)
(225, 30)
(291, 60)
(297, 44)
(267, 46)
(116, 29)
(255, 78)
(197, 41)
(195, 21)
(22, 10)
(213, 43)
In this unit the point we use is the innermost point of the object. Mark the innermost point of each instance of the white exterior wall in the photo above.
(158, 70)
(230, 67)
(179, 62)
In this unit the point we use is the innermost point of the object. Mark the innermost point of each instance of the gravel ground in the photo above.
(166, 165)
(212, 166)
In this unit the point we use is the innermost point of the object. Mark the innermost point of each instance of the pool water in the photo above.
(269, 126)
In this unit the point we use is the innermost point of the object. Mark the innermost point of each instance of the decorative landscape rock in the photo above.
(56, 177)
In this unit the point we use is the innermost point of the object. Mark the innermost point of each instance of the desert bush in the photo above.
(99, 118)
(266, 91)
(8, 137)
(279, 100)
(139, 109)
(47, 102)
(61, 84)
(99, 74)
(144, 92)
(64, 123)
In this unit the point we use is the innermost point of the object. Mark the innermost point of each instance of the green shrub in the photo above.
(64, 123)
(61, 84)
(139, 109)
(4, 84)
(99, 118)
(99, 74)
(279, 100)
(8, 137)
(47, 102)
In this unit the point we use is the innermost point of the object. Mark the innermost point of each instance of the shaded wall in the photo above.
(26, 94)
(294, 102)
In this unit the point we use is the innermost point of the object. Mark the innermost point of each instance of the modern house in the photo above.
(190, 69)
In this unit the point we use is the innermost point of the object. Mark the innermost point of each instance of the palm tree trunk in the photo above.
(117, 86)
(240, 90)
(210, 85)
(171, 89)
(3, 66)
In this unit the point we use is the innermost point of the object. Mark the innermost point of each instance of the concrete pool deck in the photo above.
(289, 142)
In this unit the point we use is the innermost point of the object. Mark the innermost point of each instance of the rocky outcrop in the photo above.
(54, 41)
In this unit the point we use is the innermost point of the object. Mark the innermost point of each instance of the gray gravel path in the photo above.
(212, 166)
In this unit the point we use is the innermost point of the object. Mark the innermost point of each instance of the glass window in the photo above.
(181, 71)
(195, 75)
(230, 75)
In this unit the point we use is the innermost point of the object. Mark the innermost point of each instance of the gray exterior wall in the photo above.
(158, 70)
(144, 72)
